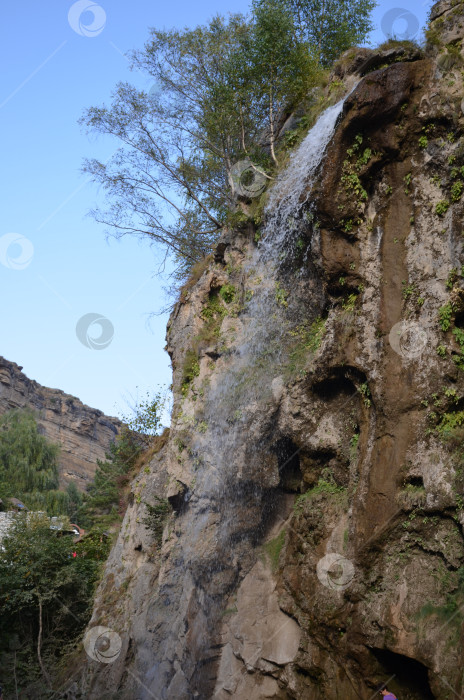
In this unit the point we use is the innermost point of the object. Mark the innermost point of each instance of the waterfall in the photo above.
(293, 186)
(262, 349)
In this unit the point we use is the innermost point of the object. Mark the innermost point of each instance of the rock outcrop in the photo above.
(83, 433)
(315, 464)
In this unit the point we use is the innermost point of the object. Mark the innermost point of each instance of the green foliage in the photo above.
(156, 517)
(29, 465)
(190, 369)
(442, 207)
(326, 486)
(28, 462)
(408, 290)
(354, 442)
(333, 26)
(103, 499)
(441, 351)
(349, 303)
(451, 612)
(449, 423)
(366, 393)
(445, 315)
(146, 416)
(228, 293)
(456, 190)
(45, 598)
(283, 64)
(306, 340)
(172, 179)
(281, 295)
(221, 85)
(273, 549)
(452, 277)
(423, 142)
(407, 183)
(459, 336)
(214, 308)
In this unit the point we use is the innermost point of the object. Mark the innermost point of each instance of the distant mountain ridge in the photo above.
(83, 433)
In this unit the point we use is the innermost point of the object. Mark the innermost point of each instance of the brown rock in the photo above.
(83, 433)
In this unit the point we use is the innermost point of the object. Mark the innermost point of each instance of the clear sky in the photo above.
(56, 265)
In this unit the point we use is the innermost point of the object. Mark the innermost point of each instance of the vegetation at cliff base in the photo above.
(46, 593)
(222, 91)
(47, 579)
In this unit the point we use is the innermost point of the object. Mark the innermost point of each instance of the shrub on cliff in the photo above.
(103, 498)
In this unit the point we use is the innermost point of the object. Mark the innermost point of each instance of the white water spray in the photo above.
(292, 188)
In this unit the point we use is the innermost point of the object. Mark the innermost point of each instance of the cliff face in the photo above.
(314, 463)
(83, 433)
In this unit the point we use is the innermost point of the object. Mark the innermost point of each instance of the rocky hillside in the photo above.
(315, 464)
(83, 433)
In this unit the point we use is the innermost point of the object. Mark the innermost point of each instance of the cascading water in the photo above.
(234, 487)
(293, 187)
(273, 311)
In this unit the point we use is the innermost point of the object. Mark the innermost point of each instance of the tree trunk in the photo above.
(39, 647)
(271, 124)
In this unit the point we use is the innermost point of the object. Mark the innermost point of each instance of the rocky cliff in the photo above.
(83, 433)
(315, 462)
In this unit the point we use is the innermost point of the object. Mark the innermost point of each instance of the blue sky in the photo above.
(56, 265)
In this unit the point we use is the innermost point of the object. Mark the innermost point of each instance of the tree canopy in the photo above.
(332, 26)
(221, 91)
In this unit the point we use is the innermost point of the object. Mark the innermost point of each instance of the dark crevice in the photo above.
(341, 382)
(415, 481)
(332, 387)
(410, 677)
(459, 319)
(288, 458)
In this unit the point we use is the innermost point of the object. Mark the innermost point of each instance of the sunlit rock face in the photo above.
(315, 546)
(84, 434)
